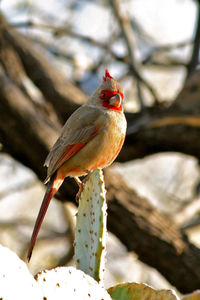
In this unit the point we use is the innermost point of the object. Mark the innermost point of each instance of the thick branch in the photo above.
(24, 131)
(46, 77)
(152, 236)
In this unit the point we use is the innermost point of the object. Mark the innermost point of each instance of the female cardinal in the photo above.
(91, 138)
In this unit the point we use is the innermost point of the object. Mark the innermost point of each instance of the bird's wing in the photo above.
(79, 129)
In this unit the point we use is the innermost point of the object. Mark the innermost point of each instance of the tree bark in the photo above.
(27, 133)
(151, 235)
(46, 77)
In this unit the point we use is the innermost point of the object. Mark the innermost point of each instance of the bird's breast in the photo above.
(111, 138)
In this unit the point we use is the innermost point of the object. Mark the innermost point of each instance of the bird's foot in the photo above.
(81, 184)
(87, 176)
(79, 193)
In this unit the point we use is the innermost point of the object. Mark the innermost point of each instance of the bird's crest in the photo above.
(107, 75)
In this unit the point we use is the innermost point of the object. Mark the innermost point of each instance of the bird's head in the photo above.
(109, 94)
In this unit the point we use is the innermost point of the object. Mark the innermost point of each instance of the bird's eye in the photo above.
(103, 95)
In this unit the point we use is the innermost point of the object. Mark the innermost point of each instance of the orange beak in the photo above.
(116, 100)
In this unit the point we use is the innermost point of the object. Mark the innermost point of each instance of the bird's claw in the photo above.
(86, 177)
(81, 184)
(81, 187)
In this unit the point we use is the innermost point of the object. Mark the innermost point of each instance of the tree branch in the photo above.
(60, 31)
(152, 236)
(157, 50)
(126, 29)
(45, 76)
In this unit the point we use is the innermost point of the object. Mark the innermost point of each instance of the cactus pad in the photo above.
(69, 283)
(136, 291)
(90, 236)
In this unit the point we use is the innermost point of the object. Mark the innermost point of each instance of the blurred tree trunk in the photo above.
(28, 128)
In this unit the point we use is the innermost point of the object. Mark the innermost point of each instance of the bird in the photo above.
(91, 138)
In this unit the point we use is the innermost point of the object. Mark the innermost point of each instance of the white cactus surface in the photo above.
(90, 236)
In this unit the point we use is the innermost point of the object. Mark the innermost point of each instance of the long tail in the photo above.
(53, 186)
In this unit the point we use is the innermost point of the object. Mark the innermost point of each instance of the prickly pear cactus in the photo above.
(90, 234)
(64, 283)
(136, 291)
(16, 282)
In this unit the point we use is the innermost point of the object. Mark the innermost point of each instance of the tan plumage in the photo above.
(92, 137)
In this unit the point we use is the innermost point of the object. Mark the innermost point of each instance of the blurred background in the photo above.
(52, 56)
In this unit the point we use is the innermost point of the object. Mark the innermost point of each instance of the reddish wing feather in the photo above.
(72, 149)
